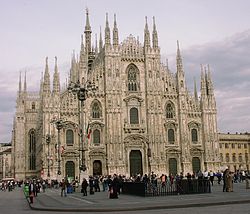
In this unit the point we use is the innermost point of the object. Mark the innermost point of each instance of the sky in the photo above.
(214, 32)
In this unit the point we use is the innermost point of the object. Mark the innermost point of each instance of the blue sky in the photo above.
(209, 31)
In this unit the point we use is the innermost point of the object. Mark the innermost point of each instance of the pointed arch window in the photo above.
(69, 137)
(96, 110)
(170, 111)
(96, 137)
(32, 150)
(33, 106)
(132, 79)
(194, 135)
(171, 137)
(134, 116)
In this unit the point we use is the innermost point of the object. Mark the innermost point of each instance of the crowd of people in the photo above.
(113, 183)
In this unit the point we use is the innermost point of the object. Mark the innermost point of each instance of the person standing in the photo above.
(225, 180)
(84, 187)
(63, 188)
(31, 191)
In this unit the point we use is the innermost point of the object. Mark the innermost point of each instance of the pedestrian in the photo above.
(211, 177)
(113, 187)
(31, 191)
(225, 180)
(84, 187)
(63, 188)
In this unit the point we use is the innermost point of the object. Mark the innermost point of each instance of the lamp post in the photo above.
(59, 126)
(81, 90)
(48, 139)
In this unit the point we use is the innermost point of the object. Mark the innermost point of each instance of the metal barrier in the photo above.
(194, 186)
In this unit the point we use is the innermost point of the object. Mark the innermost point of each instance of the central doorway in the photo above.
(70, 170)
(135, 160)
(97, 167)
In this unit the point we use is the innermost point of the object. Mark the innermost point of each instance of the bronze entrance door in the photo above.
(70, 170)
(135, 160)
(196, 164)
(97, 167)
(172, 166)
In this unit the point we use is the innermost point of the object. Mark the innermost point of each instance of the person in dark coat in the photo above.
(84, 187)
(91, 185)
(113, 187)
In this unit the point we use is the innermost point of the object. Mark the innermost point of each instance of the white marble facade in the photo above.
(141, 116)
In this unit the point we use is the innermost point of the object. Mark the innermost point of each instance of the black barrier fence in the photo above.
(184, 186)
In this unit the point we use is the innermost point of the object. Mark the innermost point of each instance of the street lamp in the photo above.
(59, 125)
(81, 90)
(48, 139)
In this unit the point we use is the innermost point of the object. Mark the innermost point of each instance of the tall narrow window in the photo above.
(194, 135)
(170, 111)
(240, 157)
(96, 137)
(69, 137)
(96, 111)
(171, 138)
(132, 79)
(32, 150)
(227, 157)
(234, 157)
(33, 105)
(134, 117)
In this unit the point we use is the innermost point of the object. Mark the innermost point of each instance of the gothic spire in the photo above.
(179, 59)
(20, 83)
(46, 82)
(56, 81)
(100, 40)
(87, 32)
(209, 81)
(146, 35)
(25, 83)
(115, 33)
(107, 31)
(154, 35)
(203, 82)
(73, 69)
(195, 91)
(96, 46)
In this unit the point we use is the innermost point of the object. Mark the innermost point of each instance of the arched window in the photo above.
(69, 137)
(96, 111)
(227, 157)
(134, 117)
(170, 111)
(240, 157)
(171, 138)
(96, 137)
(194, 135)
(33, 105)
(132, 79)
(32, 150)
(234, 157)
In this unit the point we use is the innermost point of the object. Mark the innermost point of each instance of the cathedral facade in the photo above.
(134, 115)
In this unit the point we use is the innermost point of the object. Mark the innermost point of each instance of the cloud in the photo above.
(230, 68)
